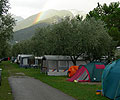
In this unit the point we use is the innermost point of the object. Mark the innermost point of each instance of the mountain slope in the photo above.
(26, 28)
(28, 32)
(18, 18)
(41, 17)
(77, 12)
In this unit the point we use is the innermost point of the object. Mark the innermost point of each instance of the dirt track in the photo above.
(27, 88)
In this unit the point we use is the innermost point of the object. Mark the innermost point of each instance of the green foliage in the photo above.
(74, 37)
(6, 50)
(23, 47)
(40, 41)
(6, 26)
(110, 15)
(64, 38)
(95, 39)
(117, 54)
(115, 34)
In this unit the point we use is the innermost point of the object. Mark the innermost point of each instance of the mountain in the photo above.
(18, 18)
(60, 13)
(26, 28)
(28, 32)
(77, 12)
(41, 17)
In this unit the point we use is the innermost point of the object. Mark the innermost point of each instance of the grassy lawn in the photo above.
(77, 90)
(5, 90)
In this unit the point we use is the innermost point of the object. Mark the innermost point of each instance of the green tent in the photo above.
(89, 73)
(111, 80)
(95, 70)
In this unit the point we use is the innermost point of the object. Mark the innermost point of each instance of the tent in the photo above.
(90, 72)
(111, 80)
(72, 70)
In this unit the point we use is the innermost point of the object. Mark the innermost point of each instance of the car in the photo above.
(4, 59)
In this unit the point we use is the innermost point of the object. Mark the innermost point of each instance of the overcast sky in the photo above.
(26, 8)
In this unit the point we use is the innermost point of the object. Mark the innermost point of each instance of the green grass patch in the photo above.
(5, 90)
(77, 90)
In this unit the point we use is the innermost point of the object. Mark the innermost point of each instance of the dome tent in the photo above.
(111, 80)
(90, 72)
(72, 70)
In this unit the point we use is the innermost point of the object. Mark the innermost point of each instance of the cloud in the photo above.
(28, 3)
(26, 8)
(83, 5)
(24, 11)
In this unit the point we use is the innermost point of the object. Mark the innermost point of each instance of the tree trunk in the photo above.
(74, 59)
(74, 62)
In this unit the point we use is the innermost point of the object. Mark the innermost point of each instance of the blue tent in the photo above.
(111, 80)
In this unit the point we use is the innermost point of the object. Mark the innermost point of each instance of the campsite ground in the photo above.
(80, 91)
(27, 88)
(91, 83)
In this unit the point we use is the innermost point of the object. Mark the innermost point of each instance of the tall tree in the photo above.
(6, 24)
(76, 38)
(110, 15)
(40, 42)
(96, 41)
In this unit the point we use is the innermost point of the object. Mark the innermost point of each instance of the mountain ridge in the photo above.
(45, 15)
(26, 28)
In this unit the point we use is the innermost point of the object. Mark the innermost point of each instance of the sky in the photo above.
(26, 8)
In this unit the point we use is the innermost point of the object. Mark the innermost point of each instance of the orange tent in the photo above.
(72, 70)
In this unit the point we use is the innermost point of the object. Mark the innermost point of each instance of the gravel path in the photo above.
(27, 88)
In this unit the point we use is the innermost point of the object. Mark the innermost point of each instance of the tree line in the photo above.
(73, 37)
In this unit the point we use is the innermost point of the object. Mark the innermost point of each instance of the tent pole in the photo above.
(117, 90)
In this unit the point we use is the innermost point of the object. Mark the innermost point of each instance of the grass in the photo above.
(77, 90)
(5, 90)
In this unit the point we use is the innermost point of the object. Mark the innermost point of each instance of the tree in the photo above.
(40, 43)
(76, 38)
(23, 47)
(64, 39)
(71, 37)
(6, 24)
(37, 45)
(110, 15)
(95, 39)
(115, 34)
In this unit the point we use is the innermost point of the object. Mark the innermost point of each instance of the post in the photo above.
(0, 76)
